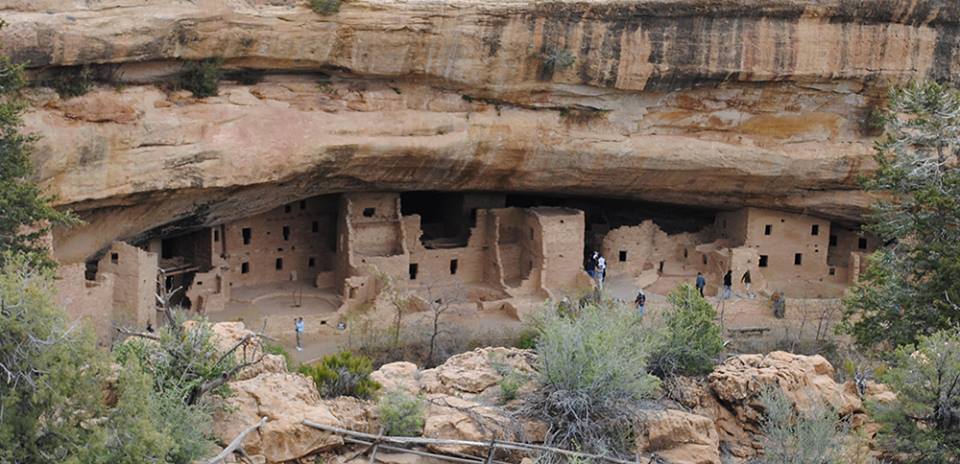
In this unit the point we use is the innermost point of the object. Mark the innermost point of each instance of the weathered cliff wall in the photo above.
(715, 103)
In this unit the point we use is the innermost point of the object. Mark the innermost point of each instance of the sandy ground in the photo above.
(274, 308)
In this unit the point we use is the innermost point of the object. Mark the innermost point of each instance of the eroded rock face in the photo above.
(686, 101)
(678, 437)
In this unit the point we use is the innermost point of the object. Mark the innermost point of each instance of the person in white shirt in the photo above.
(601, 269)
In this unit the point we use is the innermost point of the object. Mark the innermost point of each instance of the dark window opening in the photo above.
(623, 256)
(315, 227)
(797, 259)
(531, 233)
(815, 229)
(862, 244)
(311, 262)
(287, 208)
(286, 232)
(303, 204)
(90, 270)
(660, 268)
(453, 266)
(763, 261)
(684, 252)
(369, 212)
(245, 268)
(473, 216)
(115, 258)
(704, 259)
(279, 264)
(216, 235)
(413, 271)
(833, 271)
(833, 240)
(767, 229)
(247, 234)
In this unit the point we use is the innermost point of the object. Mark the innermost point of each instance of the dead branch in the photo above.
(506, 445)
(236, 442)
(218, 381)
(131, 333)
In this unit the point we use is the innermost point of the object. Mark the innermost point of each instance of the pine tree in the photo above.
(25, 212)
(912, 285)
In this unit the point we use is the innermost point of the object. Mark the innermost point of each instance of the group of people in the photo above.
(727, 289)
(597, 267)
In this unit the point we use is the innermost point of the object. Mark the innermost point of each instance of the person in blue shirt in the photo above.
(298, 327)
(641, 303)
(701, 282)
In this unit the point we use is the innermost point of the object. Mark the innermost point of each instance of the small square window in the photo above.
(286, 232)
(623, 256)
(797, 259)
(247, 234)
(369, 212)
(764, 259)
(862, 243)
(832, 271)
(767, 229)
(815, 229)
(414, 268)
(453, 266)
(216, 235)
(312, 262)
(303, 204)
(115, 258)
(279, 264)
(833, 240)
(287, 208)
(244, 268)
(315, 227)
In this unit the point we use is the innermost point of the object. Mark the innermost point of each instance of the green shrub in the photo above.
(325, 7)
(591, 368)
(527, 340)
(202, 78)
(789, 437)
(510, 385)
(691, 340)
(343, 374)
(924, 422)
(557, 58)
(72, 81)
(401, 414)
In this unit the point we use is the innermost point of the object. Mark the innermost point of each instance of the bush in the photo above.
(557, 58)
(401, 414)
(591, 368)
(792, 438)
(325, 7)
(924, 421)
(343, 374)
(691, 341)
(72, 81)
(510, 385)
(202, 78)
(527, 340)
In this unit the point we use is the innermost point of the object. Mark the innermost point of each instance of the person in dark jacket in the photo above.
(701, 282)
(641, 302)
(727, 284)
(745, 279)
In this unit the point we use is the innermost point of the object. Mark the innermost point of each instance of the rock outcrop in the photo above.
(462, 401)
(719, 104)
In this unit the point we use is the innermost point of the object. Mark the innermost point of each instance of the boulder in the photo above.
(678, 436)
(228, 334)
(398, 376)
(805, 380)
(286, 400)
(462, 419)
(474, 372)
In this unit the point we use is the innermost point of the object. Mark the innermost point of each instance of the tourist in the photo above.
(601, 269)
(701, 282)
(779, 304)
(641, 302)
(727, 284)
(592, 265)
(746, 283)
(298, 328)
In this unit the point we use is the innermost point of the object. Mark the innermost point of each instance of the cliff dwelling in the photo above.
(330, 254)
